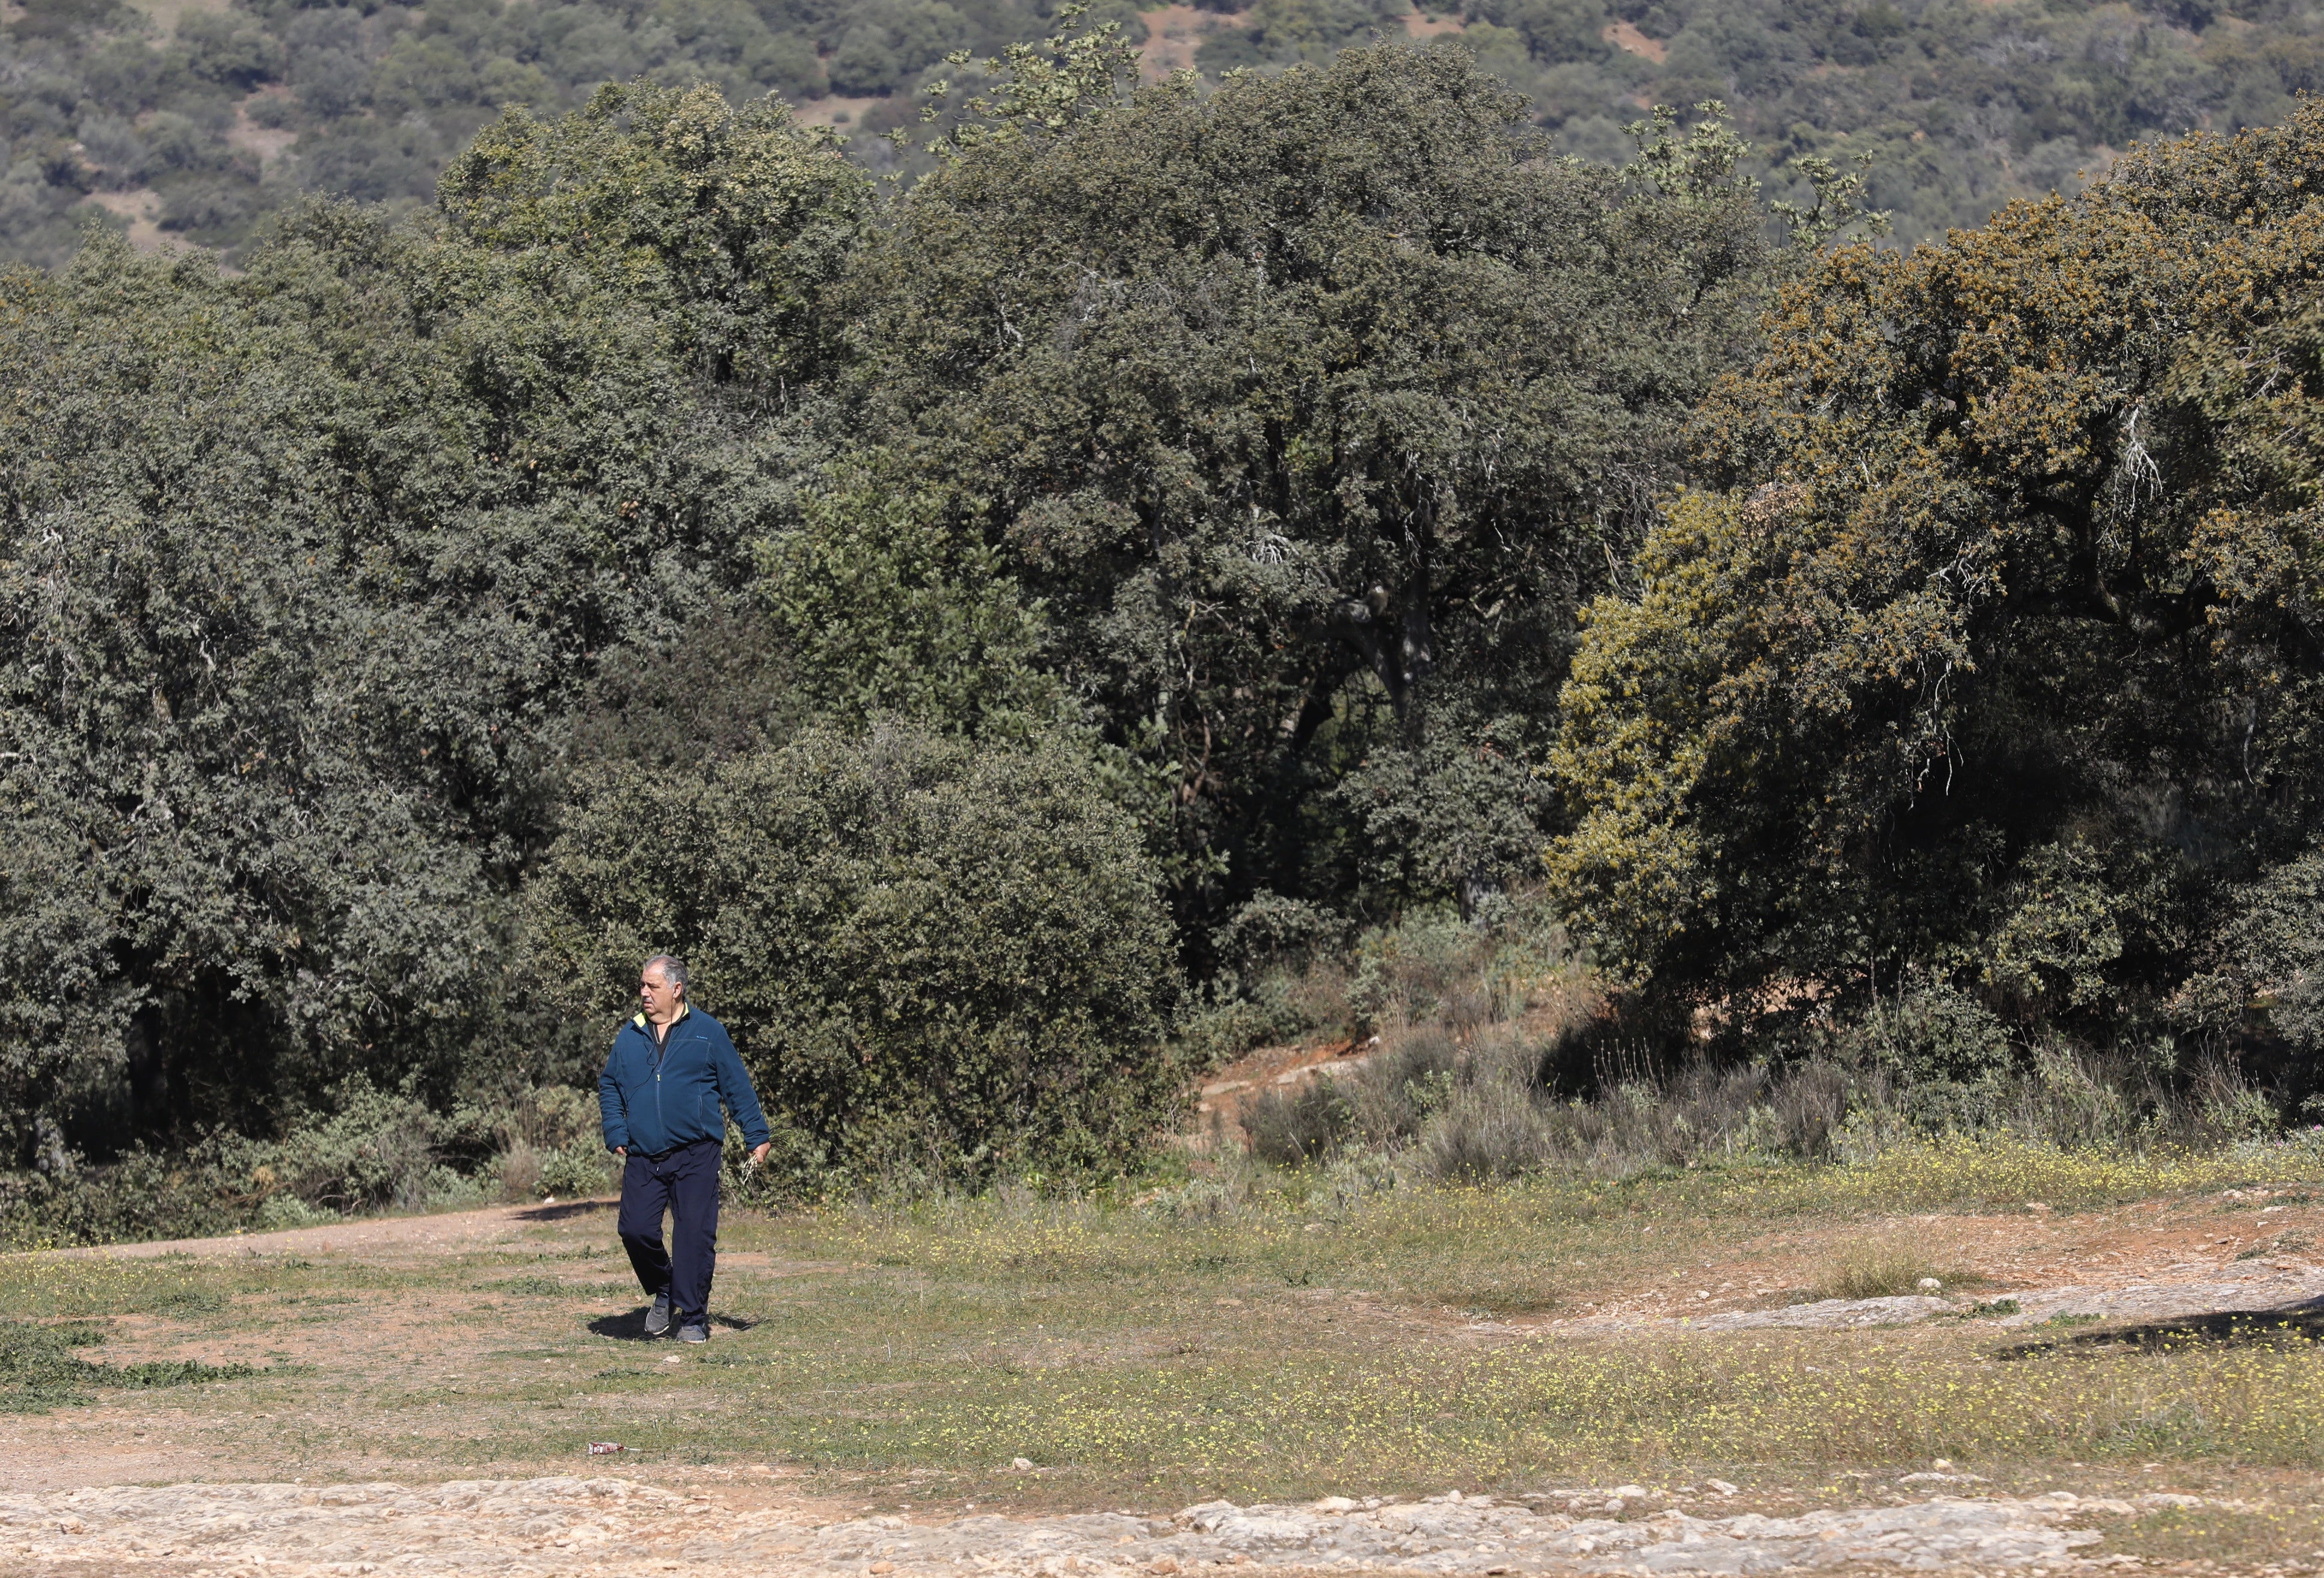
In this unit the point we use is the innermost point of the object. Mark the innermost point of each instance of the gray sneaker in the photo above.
(691, 1332)
(658, 1318)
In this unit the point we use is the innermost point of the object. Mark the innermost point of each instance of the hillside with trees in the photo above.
(1201, 564)
(194, 119)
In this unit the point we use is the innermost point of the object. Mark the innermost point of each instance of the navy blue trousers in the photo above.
(686, 1181)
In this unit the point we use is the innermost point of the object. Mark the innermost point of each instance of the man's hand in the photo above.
(623, 1151)
(759, 1155)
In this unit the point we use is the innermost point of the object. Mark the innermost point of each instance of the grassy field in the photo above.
(1304, 1342)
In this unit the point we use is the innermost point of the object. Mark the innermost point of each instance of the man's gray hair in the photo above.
(673, 969)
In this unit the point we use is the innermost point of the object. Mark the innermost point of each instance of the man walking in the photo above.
(671, 1069)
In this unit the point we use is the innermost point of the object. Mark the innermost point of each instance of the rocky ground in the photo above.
(607, 1526)
(2282, 1291)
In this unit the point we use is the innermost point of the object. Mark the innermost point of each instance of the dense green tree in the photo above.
(1266, 509)
(731, 226)
(1308, 408)
(304, 573)
(886, 608)
(1993, 662)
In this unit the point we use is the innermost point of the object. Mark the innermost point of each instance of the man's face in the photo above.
(657, 997)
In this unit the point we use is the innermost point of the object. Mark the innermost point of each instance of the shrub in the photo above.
(1491, 1132)
(1884, 1268)
(541, 1118)
(1408, 1081)
(144, 1195)
(1290, 1127)
(1218, 1031)
(379, 1149)
(549, 1143)
(941, 959)
(1282, 1003)
(1432, 966)
(577, 1170)
(374, 1150)
(1940, 1033)
(1287, 974)
(288, 1211)
(1804, 1108)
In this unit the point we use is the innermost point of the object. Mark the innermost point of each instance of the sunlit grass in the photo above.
(1283, 1340)
(1417, 1239)
(1301, 1424)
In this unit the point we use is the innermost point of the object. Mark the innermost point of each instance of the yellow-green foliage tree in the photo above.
(1987, 673)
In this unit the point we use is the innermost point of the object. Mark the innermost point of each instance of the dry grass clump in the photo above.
(1487, 1134)
(1889, 1268)
(1292, 1127)
(1484, 1107)
(1500, 1058)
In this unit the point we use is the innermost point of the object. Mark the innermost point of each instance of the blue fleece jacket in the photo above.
(656, 1097)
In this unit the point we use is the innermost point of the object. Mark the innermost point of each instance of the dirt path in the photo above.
(380, 1238)
(2240, 1249)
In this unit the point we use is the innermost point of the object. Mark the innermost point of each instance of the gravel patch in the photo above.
(1829, 1314)
(2249, 1287)
(592, 1526)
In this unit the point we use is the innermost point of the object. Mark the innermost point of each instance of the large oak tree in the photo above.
(1990, 665)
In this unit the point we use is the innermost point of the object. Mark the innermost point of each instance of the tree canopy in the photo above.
(942, 960)
(306, 575)
(1308, 408)
(1985, 654)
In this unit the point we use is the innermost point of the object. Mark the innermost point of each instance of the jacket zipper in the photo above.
(662, 1051)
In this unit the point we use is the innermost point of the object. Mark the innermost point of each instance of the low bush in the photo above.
(1887, 1268)
(144, 1194)
(1431, 971)
(1291, 1128)
(379, 1149)
(1491, 1131)
(944, 961)
(373, 1149)
(1406, 1083)
(1496, 1059)
(551, 1144)
(577, 1170)
(287, 1211)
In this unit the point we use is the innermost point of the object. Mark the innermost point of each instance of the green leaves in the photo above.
(890, 604)
(303, 576)
(39, 1369)
(941, 960)
(1044, 88)
(1974, 667)
(1303, 410)
(735, 222)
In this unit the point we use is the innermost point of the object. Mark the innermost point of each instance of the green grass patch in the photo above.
(41, 1368)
